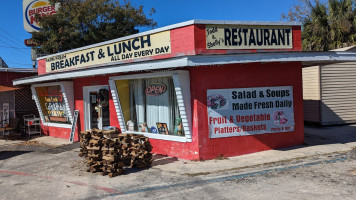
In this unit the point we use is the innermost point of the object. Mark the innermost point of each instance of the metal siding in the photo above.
(311, 93)
(338, 86)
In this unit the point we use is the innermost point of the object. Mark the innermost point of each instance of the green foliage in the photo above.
(83, 22)
(326, 25)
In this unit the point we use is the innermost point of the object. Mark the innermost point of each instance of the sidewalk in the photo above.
(46, 140)
(318, 141)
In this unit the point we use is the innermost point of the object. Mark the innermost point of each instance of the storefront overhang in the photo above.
(19, 70)
(4, 88)
(307, 59)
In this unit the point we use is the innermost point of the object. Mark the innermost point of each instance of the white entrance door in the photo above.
(96, 106)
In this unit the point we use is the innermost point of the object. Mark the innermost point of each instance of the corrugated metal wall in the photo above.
(338, 86)
(311, 93)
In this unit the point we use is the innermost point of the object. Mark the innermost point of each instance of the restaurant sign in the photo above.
(33, 7)
(250, 111)
(248, 37)
(135, 48)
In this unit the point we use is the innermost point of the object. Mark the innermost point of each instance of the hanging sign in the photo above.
(248, 37)
(250, 111)
(155, 89)
(5, 114)
(30, 43)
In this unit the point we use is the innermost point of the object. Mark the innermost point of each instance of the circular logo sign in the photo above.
(41, 7)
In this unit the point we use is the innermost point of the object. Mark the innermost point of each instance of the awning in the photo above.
(4, 88)
(307, 59)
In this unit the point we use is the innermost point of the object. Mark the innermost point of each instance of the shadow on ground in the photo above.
(63, 148)
(163, 160)
(322, 135)
(9, 154)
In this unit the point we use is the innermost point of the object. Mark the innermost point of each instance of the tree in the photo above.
(325, 26)
(299, 12)
(79, 23)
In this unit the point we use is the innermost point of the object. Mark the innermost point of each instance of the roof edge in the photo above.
(19, 70)
(178, 25)
(307, 59)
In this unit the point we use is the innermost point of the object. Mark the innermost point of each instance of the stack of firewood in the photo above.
(85, 137)
(140, 154)
(108, 151)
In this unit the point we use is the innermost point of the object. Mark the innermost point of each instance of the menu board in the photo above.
(249, 111)
(52, 103)
(5, 114)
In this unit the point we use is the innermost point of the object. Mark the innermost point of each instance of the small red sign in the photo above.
(156, 89)
(30, 43)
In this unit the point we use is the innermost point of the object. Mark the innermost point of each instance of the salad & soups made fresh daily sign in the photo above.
(250, 111)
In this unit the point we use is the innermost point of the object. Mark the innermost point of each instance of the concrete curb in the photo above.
(192, 168)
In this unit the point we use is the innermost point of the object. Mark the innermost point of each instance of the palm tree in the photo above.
(342, 23)
(316, 29)
(326, 25)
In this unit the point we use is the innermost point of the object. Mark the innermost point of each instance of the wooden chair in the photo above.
(10, 128)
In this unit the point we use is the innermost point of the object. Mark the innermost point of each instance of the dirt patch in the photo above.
(32, 143)
(353, 172)
(221, 157)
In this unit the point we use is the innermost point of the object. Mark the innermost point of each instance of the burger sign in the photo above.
(33, 7)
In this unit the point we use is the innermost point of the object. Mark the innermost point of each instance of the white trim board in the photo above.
(86, 104)
(307, 58)
(57, 125)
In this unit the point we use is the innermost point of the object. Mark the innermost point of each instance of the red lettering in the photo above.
(210, 120)
(32, 19)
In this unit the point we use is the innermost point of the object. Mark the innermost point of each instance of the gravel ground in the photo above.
(39, 171)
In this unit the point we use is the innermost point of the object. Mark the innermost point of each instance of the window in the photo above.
(55, 103)
(156, 105)
(149, 105)
(52, 104)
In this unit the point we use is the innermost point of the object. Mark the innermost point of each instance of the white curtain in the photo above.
(153, 109)
(137, 100)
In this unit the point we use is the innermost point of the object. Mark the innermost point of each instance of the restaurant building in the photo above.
(15, 101)
(198, 89)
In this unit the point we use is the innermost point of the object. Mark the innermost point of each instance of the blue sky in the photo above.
(17, 55)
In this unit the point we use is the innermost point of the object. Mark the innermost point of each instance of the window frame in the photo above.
(181, 81)
(68, 97)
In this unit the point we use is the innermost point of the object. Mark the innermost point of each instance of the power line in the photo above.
(18, 63)
(11, 35)
(20, 50)
(10, 40)
(14, 47)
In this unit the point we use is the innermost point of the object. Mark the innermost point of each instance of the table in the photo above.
(32, 126)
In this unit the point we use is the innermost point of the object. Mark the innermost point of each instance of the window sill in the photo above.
(161, 137)
(69, 126)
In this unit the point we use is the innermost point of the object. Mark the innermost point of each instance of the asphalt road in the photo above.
(43, 172)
